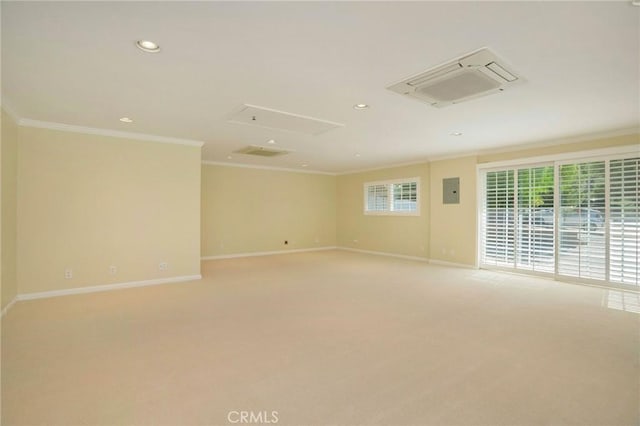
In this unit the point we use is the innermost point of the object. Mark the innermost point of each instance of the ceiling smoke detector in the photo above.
(476, 74)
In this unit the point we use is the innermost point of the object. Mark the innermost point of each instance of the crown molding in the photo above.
(627, 131)
(389, 166)
(26, 122)
(278, 169)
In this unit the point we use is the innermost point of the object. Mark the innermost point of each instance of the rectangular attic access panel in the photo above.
(252, 115)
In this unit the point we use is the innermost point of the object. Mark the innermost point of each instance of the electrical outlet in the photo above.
(163, 266)
(113, 270)
(68, 273)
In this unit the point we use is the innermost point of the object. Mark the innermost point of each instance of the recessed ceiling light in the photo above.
(126, 120)
(456, 134)
(360, 106)
(271, 141)
(357, 155)
(147, 46)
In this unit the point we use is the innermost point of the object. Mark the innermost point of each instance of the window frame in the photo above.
(389, 183)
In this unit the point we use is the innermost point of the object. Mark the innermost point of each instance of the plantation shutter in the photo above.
(377, 198)
(582, 247)
(498, 236)
(404, 196)
(535, 226)
(624, 221)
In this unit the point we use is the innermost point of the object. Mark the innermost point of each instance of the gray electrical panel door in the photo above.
(451, 191)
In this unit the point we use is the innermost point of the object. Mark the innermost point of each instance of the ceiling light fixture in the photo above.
(147, 46)
(456, 134)
(271, 141)
(304, 164)
(126, 120)
(357, 155)
(360, 106)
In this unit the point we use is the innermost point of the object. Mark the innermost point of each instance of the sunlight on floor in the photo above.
(622, 301)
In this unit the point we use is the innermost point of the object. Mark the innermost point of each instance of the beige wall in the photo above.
(248, 210)
(404, 235)
(561, 148)
(87, 202)
(443, 232)
(453, 226)
(9, 164)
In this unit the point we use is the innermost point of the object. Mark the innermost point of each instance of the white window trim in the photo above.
(389, 212)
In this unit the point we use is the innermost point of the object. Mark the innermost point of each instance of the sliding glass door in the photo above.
(534, 230)
(498, 219)
(577, 220)
(581, 226)
(624, 221)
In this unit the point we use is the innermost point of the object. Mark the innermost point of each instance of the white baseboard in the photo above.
(382, 253)
(6, 308)
(451, 264)
(106, 287)
(402, 256)
(265, 253)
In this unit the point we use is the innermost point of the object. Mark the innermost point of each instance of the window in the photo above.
(571, 219)
(624, 221)
(397, 197)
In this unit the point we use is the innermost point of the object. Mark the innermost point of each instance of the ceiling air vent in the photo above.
(261, 151)
(477, 74)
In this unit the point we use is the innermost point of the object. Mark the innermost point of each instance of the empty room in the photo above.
(320, 213)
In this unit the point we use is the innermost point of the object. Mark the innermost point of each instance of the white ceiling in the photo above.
(76, 63)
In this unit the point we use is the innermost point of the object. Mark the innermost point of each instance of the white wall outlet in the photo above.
(68, 273)
(113, 269)
(163, 266)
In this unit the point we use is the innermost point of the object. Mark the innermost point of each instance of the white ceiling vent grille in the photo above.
(477, 74)
(273, 119)
(261, 151)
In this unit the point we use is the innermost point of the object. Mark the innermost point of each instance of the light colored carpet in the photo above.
(325, 338)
